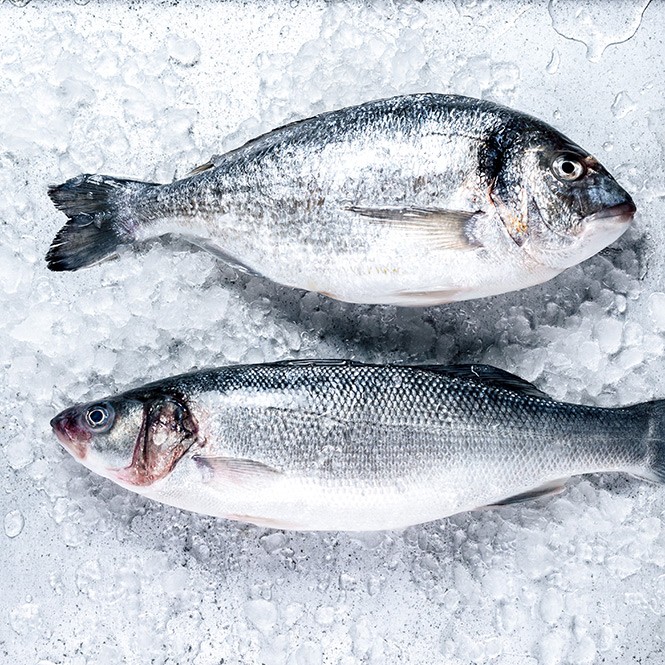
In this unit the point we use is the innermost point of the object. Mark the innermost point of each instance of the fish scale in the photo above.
(413, 200)
(328, 445)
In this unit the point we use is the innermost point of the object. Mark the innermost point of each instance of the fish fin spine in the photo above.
(201, 168)
(101, 218)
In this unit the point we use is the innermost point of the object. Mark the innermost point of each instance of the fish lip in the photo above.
(72, 437)
(623, 213)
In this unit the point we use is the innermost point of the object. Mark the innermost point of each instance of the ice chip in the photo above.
(623, 105)
(262, 614)
(608, 333)
(657, 310)
(551, 605)
(14, 522)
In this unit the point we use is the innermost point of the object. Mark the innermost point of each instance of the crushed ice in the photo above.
(92, 574)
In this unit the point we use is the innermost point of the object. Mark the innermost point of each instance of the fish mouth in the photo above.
(71, 435)
(621, 213)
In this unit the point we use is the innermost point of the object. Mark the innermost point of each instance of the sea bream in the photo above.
(339, 445)
(414, 200)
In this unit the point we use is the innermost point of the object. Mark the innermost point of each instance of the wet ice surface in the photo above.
(92, 574)
(598, 25)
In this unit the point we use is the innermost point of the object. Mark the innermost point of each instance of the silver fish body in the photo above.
(413, 200)
(334, 445)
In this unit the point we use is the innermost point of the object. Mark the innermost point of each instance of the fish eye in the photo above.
(99, 417)
(568, 167)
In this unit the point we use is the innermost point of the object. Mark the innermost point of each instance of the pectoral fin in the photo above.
(242, 472)
(445, 229)
(548, 489)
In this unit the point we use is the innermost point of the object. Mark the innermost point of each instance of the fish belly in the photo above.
(300, 504)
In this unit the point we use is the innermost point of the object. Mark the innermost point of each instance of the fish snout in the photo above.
(621, 213)
(70, 433)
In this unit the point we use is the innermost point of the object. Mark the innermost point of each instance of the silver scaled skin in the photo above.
(335, 445)
(414, 200)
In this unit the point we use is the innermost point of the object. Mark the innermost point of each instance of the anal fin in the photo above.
(218, 252)
(429, 297)
(266, 522)
(548, 489)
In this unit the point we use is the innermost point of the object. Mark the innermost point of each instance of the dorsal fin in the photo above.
(478, 373)
(210, 164)
(489, 375)
(316, 362)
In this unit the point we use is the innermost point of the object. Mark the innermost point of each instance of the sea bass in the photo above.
(414, 200)
(340, 445)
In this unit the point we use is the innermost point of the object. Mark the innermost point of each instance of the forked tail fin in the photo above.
(101, 217)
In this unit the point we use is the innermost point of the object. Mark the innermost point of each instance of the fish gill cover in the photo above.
(94, 574)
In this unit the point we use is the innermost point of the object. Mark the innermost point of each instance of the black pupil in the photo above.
(568, 167)
(97, 416)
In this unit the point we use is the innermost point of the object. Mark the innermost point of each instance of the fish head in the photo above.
(135, 440)
(557, 202)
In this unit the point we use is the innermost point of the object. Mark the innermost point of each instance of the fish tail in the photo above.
(102, 216)
(654, 465)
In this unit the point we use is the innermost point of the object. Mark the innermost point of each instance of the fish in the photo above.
(338, 445)
(415, 200)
